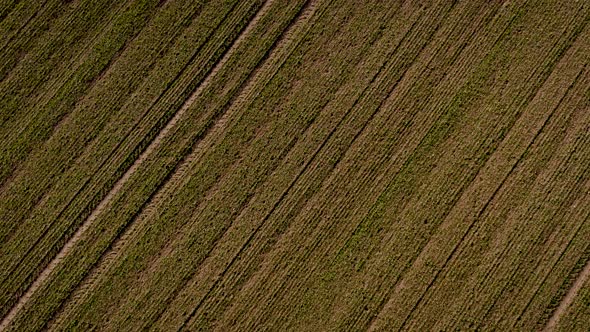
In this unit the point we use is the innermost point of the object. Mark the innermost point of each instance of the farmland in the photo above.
(306, 165)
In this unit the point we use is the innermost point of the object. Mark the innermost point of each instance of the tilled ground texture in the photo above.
(305, 165)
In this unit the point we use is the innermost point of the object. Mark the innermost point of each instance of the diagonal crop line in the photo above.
(487, 204)
(385, 65)
(360, 224)
(546, 72)
(292, 184)
(560, 53)
(193, 312)
(41, 7)
(211, 124)
(121, 170)
(58, 85)
(568, 298)
(86, 183)
(317, 242)
(507, 284)
(89, 221)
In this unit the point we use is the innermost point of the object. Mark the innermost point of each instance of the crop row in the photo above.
(49, 78)
(181, 138)
(207, 216)
(329, 163)
(116, 127)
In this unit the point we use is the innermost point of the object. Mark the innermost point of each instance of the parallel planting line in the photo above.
(398, 77)
(75, 218)
(26, 23)
(54, 102)
(569, 297)
(53, 105)
(473, 224)
(208, 289)
(33, 128)
(513, 242)
(119, 225)
(552, 63)
(154, 145)
(178, 177)
(116, 249)
(352, 320)
(358, 133)
(406, 319)
(221, 276)
(282, 53)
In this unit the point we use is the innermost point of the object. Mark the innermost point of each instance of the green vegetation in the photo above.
(294, 165)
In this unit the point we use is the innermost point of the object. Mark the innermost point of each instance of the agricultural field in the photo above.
(300, 165)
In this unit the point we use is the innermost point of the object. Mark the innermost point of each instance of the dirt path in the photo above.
(568, 299)
(107, 200)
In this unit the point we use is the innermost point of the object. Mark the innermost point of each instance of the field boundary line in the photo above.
(153, 146)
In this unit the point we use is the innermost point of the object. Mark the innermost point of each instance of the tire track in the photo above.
(216, 115)
(568, 299)
(178, 178)
(307, 13)
(39, 201)
(153, 146)
(177, 174)
(80, 216)
(8, 178)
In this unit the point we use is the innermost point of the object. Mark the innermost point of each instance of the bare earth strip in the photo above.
(121, 182)
(568, 299)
